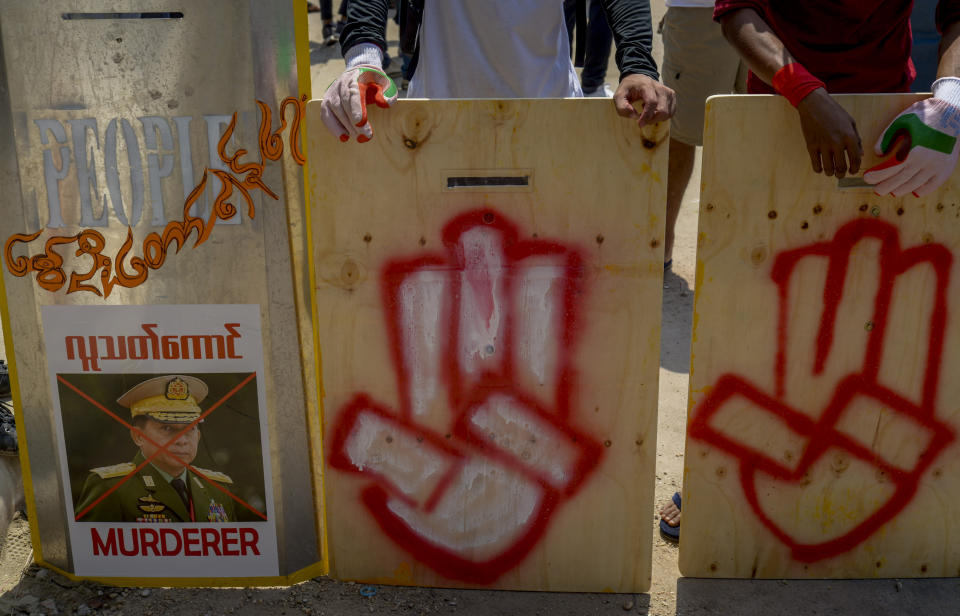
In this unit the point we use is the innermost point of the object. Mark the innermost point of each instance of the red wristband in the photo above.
(794, 82)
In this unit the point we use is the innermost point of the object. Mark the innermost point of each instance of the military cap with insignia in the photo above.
(173, 398)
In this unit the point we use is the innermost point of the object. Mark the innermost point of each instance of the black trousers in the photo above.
(599, 42)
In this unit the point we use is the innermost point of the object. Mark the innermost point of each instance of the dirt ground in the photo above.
(28, 589)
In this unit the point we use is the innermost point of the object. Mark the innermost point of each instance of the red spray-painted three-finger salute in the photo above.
(467, 472)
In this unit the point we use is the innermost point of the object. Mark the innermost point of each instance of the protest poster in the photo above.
(162, 433)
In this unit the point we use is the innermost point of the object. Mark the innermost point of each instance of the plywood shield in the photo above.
(488, 297)
(151, 220)
(822, 434)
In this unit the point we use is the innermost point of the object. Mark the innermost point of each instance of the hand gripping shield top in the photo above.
(886, 430)
(923, 140)
(467, 473)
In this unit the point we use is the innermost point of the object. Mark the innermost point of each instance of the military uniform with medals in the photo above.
(148, 497)
(150, 494)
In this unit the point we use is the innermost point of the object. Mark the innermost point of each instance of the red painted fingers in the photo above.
(466, 473)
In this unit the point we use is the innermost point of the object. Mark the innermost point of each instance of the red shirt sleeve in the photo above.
(852, 45)
(948, 12)
(723, 7)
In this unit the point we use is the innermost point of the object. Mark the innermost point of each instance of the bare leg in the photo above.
(679, 170)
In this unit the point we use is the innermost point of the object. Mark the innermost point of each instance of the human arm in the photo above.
(948, 23)
(923, 139)
(829, 132)
(949, 64)
(363, 41)
(630, 22)
(366, 22)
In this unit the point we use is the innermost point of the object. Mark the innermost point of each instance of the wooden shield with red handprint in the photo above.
(822, 430)
(488, 296)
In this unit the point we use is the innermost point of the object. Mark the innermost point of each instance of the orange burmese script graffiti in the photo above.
(271, 144)
(242, 177)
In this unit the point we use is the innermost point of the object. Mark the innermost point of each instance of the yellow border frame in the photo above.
(302, 38)
(25, 474)
(305, 87)
(302, 575)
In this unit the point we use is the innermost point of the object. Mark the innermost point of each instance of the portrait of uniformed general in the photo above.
(159, 484)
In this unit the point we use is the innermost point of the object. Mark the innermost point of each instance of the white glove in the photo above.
(923, 139)
(344, 106)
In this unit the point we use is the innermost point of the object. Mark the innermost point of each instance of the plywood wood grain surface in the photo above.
(488, 298)
(823, 421)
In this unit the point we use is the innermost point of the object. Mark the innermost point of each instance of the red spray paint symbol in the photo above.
(857, 390)
(466, 475)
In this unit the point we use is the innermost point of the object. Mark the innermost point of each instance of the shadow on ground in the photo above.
(933, 597)
(677, 319)
(45, 592)
(321, 53)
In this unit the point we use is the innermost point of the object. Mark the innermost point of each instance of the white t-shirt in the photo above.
(694, 3)
(494, 49)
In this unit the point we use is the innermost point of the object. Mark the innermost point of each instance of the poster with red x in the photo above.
(163, 440)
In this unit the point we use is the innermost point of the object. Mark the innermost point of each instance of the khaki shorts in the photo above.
(697, 62)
